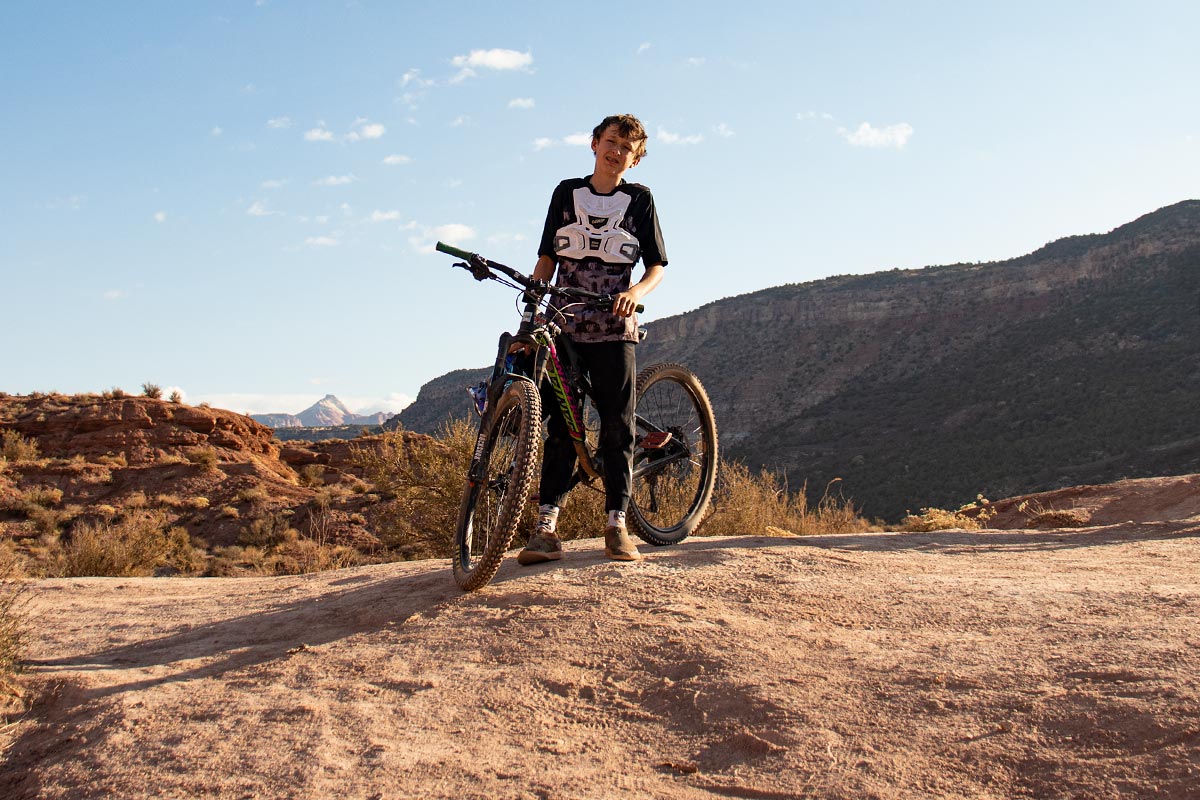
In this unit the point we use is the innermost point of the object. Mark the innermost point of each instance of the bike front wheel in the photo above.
(492, 502)
(675, 455)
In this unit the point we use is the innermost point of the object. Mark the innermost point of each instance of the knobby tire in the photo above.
(670, 501)
(491, 508)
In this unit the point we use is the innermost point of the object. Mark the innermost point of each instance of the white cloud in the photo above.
(452, 233)
(113, 294)
(216, 131)
(413, 77)
(815, 115)
(723, 130)
(396, 160)
(866, 135)
(392, 403)
(335, 180)
(695, 61)
(505, 238)
(363, 129)
(318, 135)
(384, 216)
(273, 184)
(259, 209)
(321, 241)
(460, 120)
(495, 59)
(279, 123)
(160, 216)
(571, 140)
(73, 202)
(643, 47)
(521, 102)
(666, 137)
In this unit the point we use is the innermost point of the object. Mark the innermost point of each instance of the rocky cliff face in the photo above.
(1076, 363)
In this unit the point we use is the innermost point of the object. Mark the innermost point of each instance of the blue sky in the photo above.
(237, 199)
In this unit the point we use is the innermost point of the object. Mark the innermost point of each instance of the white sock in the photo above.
(616, 519)
(548, 517)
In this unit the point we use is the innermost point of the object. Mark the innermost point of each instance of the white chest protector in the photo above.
(598, 234)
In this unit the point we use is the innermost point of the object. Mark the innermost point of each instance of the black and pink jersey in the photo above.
(596, 240)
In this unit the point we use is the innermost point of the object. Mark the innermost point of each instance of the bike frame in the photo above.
(540, 334)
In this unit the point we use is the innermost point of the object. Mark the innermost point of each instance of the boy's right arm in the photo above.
(544, 270)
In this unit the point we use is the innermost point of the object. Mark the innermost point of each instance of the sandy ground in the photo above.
(989, 664)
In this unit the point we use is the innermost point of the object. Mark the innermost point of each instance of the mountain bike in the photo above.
(675, 449)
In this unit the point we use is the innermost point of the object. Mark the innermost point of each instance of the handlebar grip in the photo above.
(442, 247)
(640, 308)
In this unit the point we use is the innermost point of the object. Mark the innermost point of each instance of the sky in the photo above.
(238, 199)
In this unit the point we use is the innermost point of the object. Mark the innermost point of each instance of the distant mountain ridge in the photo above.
(328, 412)
(1078, 363)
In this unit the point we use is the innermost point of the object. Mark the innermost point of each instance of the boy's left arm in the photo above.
(627, 301)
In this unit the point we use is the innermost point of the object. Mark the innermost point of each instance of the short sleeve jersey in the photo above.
(596, 240)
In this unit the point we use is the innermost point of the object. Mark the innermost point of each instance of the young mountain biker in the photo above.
(596, 230)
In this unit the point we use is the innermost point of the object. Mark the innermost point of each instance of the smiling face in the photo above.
(614, 153)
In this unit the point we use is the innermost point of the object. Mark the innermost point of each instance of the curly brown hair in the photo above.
(629, 127)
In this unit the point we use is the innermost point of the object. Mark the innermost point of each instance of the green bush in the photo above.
(152, 390)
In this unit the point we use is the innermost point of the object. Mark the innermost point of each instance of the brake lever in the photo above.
(479, 273)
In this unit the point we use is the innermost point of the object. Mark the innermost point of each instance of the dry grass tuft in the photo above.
(1042, 517)
(970, 517)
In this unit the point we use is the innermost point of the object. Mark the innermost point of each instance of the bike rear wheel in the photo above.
(491, 506)
(675, 456)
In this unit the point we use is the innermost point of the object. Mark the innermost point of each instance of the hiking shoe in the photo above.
(618, 546)
(544, 545)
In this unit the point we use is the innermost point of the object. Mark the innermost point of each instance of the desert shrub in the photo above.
(205, 457)
(750, 502)
(268, 531)
(136, 500)
(969, 517)
(197, 503)
(168, 500)
(152, 390)
(422, 482)
(136, 544)
(1042, 517)
(15, 447)
(44, 496)
(115, 393)
(184, 554)
(230, 511)
(176, 397)
(113, 460)
(104, 510)
(253, 494)
(312, 475)
(302, 556)
(12, 621)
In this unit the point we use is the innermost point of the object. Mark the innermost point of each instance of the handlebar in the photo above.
(481, 267)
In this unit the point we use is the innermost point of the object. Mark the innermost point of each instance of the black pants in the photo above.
(612, 370)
